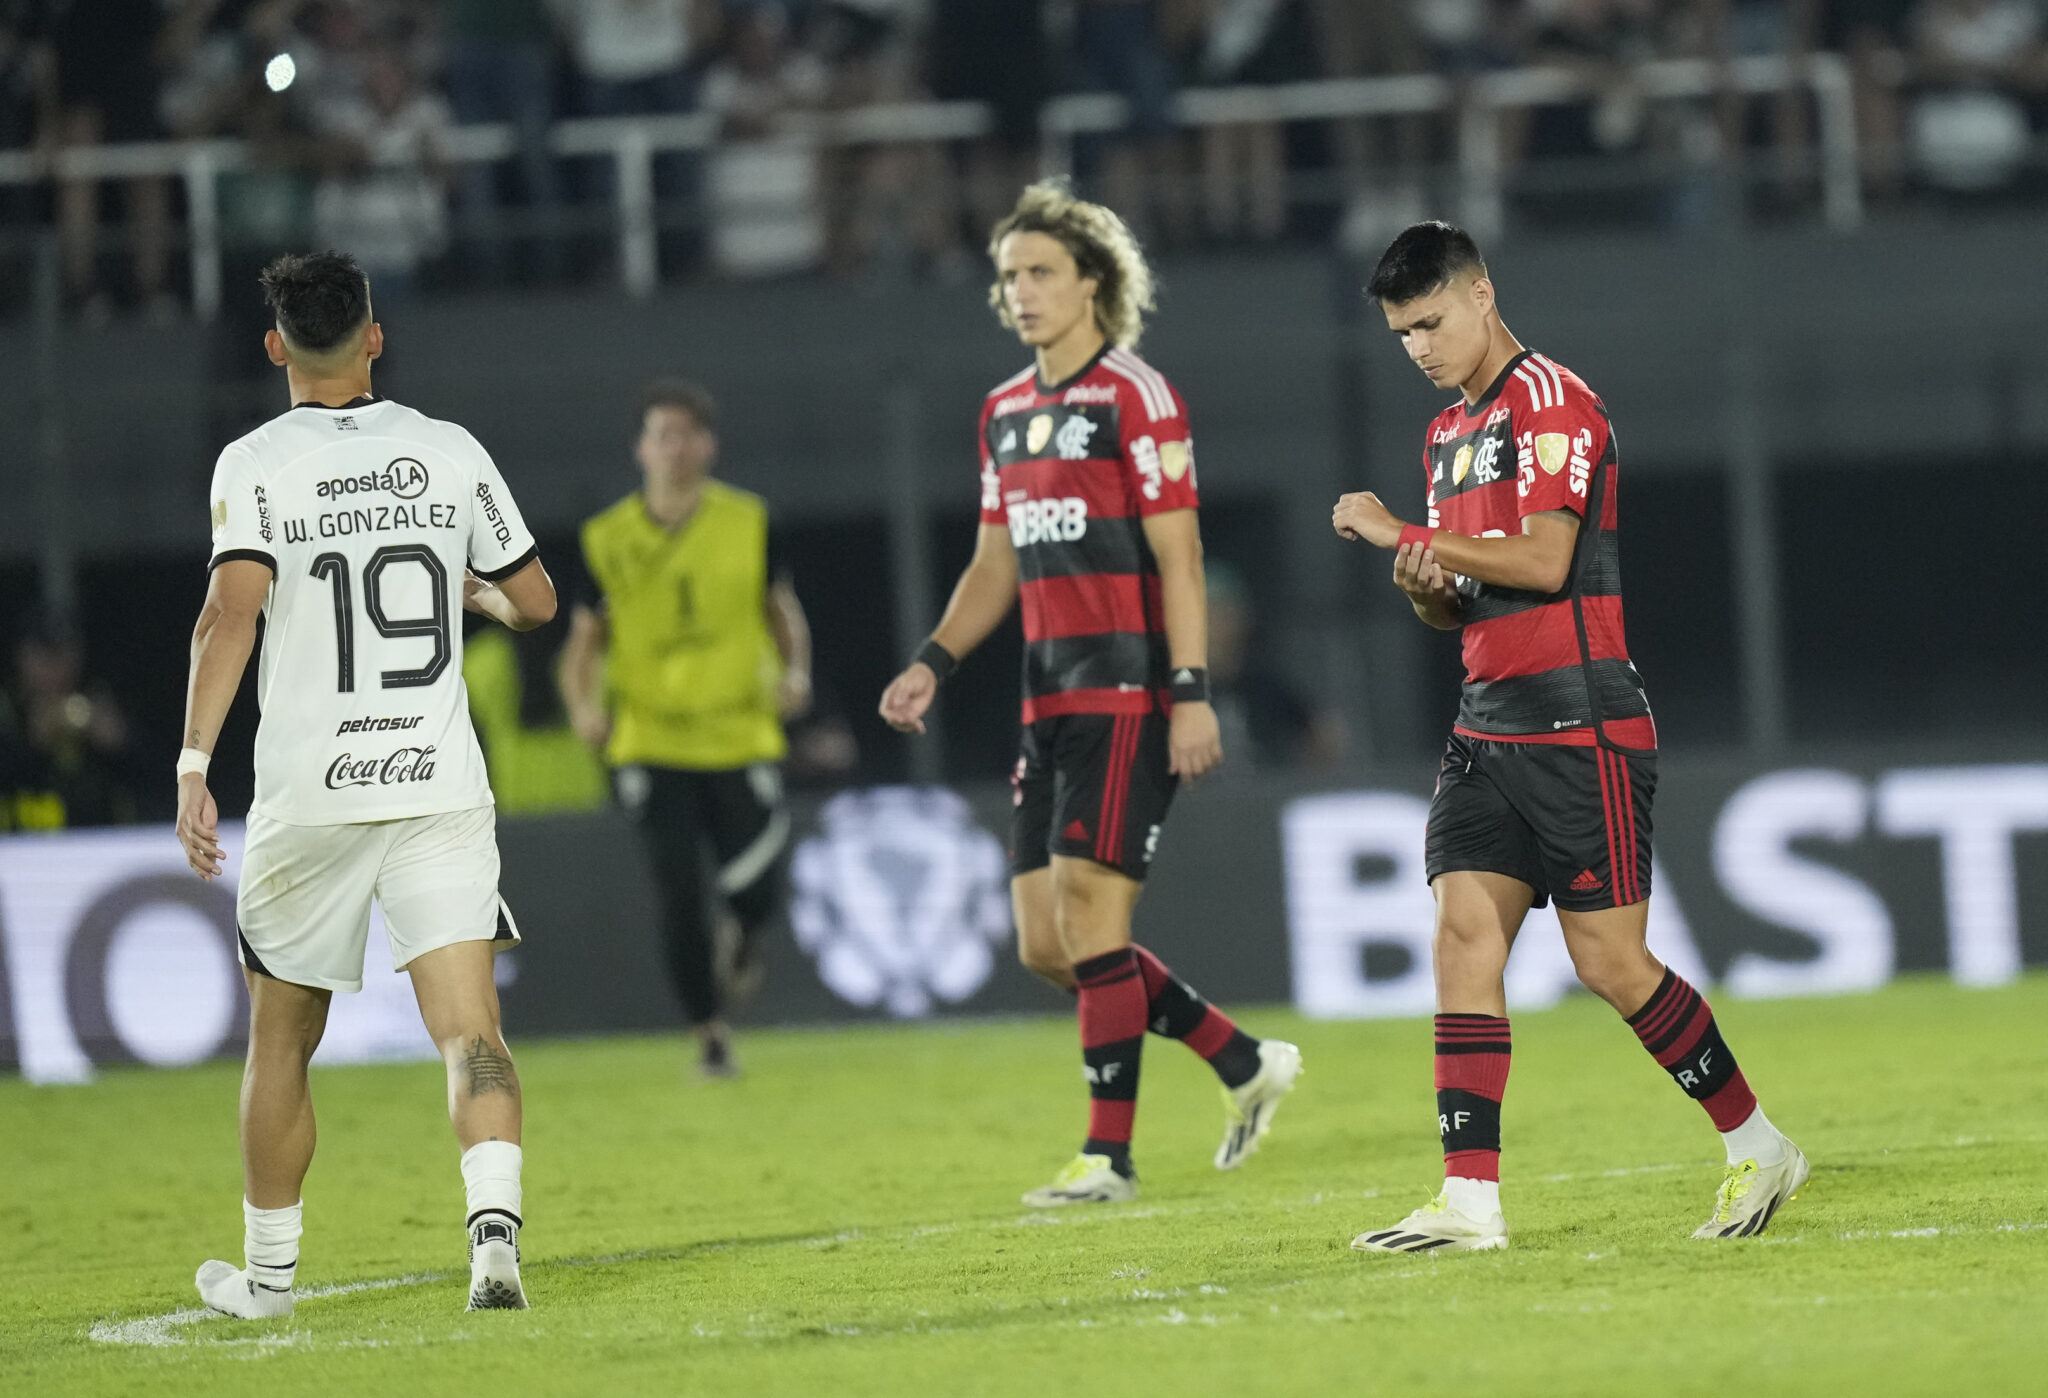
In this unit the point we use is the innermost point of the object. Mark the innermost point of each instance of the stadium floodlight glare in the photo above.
(279, 73)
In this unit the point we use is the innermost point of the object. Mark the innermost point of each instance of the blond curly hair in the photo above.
(1103, 247)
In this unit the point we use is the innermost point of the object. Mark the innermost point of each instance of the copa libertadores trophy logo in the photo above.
(900, 898)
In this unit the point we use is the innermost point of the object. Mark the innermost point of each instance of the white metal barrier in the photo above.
(633, 142)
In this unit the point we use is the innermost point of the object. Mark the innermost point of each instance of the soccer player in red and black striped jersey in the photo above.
(1544, 791)
(1088, 520)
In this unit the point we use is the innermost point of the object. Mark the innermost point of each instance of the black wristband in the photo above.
(1189, 685)
(942, 661)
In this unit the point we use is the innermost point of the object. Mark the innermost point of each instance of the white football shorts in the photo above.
(303, 907)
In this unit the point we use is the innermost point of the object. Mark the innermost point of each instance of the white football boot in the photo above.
(494, 1267)
(1437, 1227)
(1248, 1110)
(1087, 1179)
(1751, 1194)
(230, 1290)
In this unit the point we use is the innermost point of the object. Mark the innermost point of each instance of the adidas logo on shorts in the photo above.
(1586, 882)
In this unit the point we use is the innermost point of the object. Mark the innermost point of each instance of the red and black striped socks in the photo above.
(1113, 1010)
(1678, 1029)
(1176, 1012)
(1472, 1054)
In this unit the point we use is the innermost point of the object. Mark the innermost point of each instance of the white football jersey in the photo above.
(367, 516)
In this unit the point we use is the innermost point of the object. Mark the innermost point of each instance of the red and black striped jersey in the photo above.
(1539, 667)
(1072, 470)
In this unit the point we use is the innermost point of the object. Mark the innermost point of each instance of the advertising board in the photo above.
(1807, 880)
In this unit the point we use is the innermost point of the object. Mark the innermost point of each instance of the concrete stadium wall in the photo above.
(1908, 339)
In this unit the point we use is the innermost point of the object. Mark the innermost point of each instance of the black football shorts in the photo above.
(1093, 786)
(1571, 822)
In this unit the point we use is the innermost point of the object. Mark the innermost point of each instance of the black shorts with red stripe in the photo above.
(1092, 786)
(1571, 822)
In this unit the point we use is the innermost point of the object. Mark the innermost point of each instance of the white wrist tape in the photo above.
(193, 760)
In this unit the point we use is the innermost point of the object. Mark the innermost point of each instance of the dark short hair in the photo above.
(1424, 257)
(320, 298)
(692, 398)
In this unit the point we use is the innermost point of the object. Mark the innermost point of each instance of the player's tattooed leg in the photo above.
(488, 1069)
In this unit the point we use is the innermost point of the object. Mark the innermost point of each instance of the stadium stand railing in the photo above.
(632, 143)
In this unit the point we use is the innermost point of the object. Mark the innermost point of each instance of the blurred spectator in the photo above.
(1872, 34)
(387, 206)
(1600, 40)
(993, 51)
(205, 58)
(638, 58)
(329, 45)
(1758, 28)
(264, 207)
(765, 179)
(1244, 164)
(1119, 47)
(64, 748)
(103, 65)
(21, 61)
(634, 57)
(536, 761)
(1982, 69)
(1267, 724)
(228, 83)
(500, 68)
(1382, 158)
(1459, 38)
(881, 197)
(18, 75)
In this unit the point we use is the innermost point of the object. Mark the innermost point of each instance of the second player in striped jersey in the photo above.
(1088, 522)
(1073, 470)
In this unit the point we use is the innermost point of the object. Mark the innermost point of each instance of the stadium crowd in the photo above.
(350, 104)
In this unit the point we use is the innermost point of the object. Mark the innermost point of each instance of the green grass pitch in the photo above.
(843, 1220)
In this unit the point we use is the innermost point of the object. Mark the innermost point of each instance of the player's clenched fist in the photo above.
(908, 696)
(1360, 515)
(1194, 740)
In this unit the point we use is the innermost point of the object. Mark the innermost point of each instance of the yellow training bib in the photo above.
(692, 667)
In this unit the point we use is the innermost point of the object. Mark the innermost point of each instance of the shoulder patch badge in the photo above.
(1551, 450)
(1173, 459)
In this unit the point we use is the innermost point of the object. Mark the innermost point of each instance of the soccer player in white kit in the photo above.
(357, 527)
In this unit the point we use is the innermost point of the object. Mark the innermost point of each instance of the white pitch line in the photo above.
(164, 1331)
(161, 1331)
(1953, 1230)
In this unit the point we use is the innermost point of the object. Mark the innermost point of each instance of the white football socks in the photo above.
(262, 1290)
(1756, 1139)
(270, 1243)
(490, 1179)
(1476, 1199)
(490, 1176)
